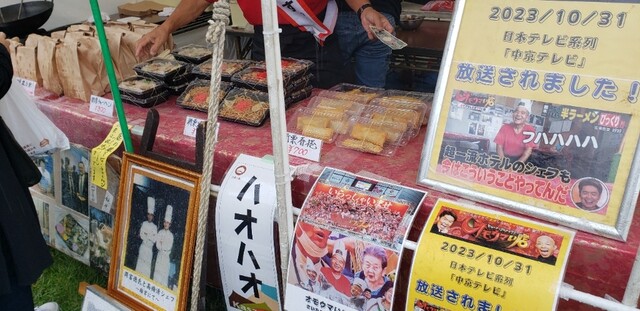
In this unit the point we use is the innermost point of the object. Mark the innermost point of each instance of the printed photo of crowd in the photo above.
(342, 269)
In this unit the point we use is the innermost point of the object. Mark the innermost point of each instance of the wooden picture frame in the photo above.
(96, 298)
(150, 267)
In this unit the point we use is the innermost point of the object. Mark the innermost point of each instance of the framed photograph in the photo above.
(573, 151)
(154, 235)
(96, 299)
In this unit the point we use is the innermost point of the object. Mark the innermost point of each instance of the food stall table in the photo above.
(596, 265)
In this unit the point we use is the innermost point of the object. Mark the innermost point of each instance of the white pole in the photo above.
(278, 130)
(632, 292)
(567, 292)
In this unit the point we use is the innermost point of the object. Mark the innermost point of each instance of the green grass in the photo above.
(60, 283)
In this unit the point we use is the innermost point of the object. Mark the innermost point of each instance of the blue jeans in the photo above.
(371, 57)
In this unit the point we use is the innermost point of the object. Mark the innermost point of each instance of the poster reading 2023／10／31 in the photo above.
(537, 110)
(473, 259)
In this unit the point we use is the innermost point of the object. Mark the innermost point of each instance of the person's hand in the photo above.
(152, 42)
(372, 17)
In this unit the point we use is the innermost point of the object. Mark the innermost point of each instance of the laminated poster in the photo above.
(245, 211)
(537, 110)
(347, 243)
(472, 259)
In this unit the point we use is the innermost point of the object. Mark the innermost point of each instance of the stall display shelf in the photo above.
(597, 265)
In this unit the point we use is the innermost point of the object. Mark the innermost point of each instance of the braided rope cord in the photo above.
(215, 36)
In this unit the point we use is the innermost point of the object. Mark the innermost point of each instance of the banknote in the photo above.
(387, 38)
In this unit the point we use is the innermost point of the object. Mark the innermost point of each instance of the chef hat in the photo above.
(339, 248)
(310, 265)
(168, 213)
(151, 205)
(526, 103)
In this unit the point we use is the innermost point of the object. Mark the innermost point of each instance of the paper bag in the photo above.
(27, 62)
(14, 43)
(81, 28)
(47, 64)
(30, 70)
(58, 34)
(122, 54)
(4, 40)
(144, 28)
(68, 66)
(92, 65)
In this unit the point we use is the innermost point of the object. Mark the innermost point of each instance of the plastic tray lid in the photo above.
(196, 96)
(291, 66)
(352, 109)
(406, 100)
(192, 53)
(371, 137)
(245, 106)
(203, 70)
(233, 66)
(356, 96)
(298, 95)
(256, 78)
(397, 132)
(354, 88)
(410, 118)
(141, 87)
(147, 102)
(161, 69)
(317, 125)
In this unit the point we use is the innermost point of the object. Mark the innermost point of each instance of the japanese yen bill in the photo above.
(387, 38)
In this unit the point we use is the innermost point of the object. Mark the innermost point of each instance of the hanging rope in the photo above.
(215, 37)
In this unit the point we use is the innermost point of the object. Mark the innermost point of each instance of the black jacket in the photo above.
(24, 254)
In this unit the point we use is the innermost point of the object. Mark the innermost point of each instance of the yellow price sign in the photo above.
(100, 154)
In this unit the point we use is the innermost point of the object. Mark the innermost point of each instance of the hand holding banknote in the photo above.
(387, 38)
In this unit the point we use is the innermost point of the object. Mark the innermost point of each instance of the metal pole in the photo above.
(278, 130)
(113, 82)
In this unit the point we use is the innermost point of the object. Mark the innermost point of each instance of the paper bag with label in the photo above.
(47, 64)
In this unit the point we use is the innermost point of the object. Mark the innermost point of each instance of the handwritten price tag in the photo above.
(28, 85)
(304, 147)
(108, 202)
(101, 106)
(191, 126)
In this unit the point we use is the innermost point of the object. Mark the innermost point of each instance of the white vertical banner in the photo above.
(244, 228)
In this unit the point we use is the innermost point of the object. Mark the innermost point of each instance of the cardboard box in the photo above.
(142, 8)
